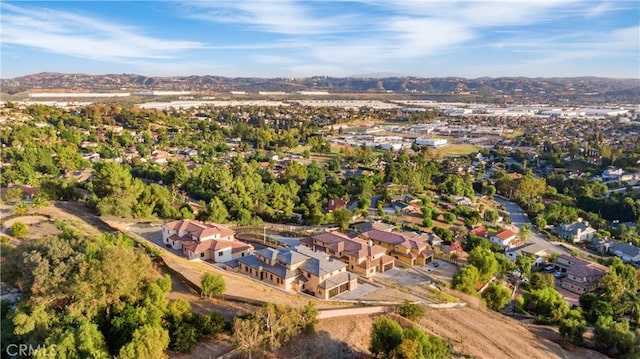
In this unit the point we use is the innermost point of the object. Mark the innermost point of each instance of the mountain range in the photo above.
(601, 89)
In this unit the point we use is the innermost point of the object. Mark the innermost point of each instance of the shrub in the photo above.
(411, 311)
(19, 229)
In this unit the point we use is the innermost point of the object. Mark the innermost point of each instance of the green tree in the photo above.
(548, 303)
(19, 229)
(541, 280)
(113, 189)
(149, 342)
(386, 336)
(342, 217)
(524, 263)
(490, 216)
(13, 194)
(485, 261)
(428, 346)
(411, 311)
(524, 233)
(466, 279)
(572, 327)
(212, 285)
(449, 217)
(496, 296)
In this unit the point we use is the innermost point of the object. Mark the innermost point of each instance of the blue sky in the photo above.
(287, 38)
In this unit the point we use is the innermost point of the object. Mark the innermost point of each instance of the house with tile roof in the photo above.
(362, 257)
(581, 275)
(407, 248)
(504, 237)
(299, 270)
(204, 241)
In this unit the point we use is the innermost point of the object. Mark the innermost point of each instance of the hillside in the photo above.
(584, 88)
(474, 333)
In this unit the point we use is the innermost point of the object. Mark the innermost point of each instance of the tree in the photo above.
(466, 279)
(149, 342)
(19, 229)
(427, 222)
(411, 311)
(496, 296)
(485, 261)
(386, 336)
(212, 285)
(490, 216)
(548, 303)
(572, 327)
(449, 217)
(491, 191)
(247, 334)
(420, 345)
(342, 217)
(13, 194)
(540, 280)
(613, 338)
(524, 263)
(524, 233)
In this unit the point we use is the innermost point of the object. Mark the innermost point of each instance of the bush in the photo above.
(212, 285)
(411, 311)
(19, 229)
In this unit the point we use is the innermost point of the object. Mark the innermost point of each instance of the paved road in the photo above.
(519, 218)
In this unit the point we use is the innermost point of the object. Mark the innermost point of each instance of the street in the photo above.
(519, 218)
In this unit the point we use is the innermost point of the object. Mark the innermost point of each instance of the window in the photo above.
(308, 275)
(242, 254)
(220, 254)
(202, 255)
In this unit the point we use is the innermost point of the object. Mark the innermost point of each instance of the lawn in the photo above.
(457, 149)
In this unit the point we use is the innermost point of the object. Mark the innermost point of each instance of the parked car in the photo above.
(549, 268)
(436, 264)
(560, 275)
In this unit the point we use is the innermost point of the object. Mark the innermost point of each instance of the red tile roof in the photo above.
(505, 234)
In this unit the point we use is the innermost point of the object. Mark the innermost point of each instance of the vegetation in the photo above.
(212, 285)
(496, 296)
(411, 311)
(95, 297)
(19, 229)
(390, 340)
(272, 326)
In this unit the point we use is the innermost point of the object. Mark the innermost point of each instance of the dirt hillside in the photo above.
(474, 333)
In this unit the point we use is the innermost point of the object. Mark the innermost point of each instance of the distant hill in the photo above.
(626, 90)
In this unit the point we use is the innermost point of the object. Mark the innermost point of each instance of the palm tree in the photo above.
(525, 233)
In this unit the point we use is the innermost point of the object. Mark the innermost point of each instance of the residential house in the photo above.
(504, 237)
(480, 231)
(366, 226)
(28, 192)
(299, 269)
(205, 241)
(335, 204)
(581, 275)
(627, 252)
(575, 232)
(612, 173)
(535, 250)
(363, 258)
(411, 250)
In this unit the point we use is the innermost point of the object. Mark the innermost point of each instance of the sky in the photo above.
(289, 38)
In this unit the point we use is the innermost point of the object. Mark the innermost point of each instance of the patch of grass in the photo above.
(442, 296)
(458, 149)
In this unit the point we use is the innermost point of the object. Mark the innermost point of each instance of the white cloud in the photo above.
(282, 16)
(82, 36)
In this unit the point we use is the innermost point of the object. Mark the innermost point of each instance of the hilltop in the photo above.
(534, 89)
